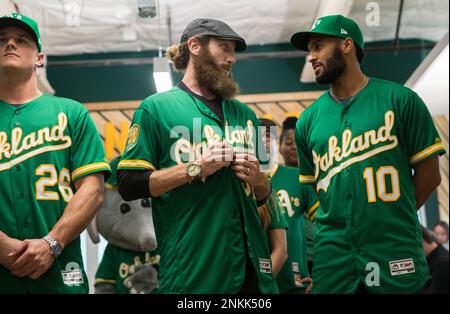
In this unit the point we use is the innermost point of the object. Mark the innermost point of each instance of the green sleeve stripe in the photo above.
(101, 280)
(135, 164)
(307, 179)
(98, 166)
(313, 208)
(426, 153)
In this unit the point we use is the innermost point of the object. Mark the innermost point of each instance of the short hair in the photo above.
(179, 54)
(443, 225)
(359, 54)
(428, 236)
(288, 124)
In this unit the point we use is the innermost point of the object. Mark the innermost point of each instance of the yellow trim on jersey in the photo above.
(313, 208)
(426, 152)
(313, 217)
(87, 168)
(101, 280)
(138, 164)
(307, 179)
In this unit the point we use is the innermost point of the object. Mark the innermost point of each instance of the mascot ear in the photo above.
(92, 230)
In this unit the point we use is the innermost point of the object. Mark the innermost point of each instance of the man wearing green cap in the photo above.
(195, 151)
(52, 168)
(371, 149)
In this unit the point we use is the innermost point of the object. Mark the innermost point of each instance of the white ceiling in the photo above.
(431, 79)
(92, 26)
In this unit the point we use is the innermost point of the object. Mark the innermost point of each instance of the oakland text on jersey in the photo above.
(34, 142)
(358, 144)
(241, 139)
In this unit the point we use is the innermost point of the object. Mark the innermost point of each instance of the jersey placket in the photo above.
(20, 200)
(351, 215)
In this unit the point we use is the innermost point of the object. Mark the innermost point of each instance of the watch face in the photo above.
(193, 170)
(56, 249)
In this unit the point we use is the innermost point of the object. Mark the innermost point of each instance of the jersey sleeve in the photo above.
(106, 272)
(87, 154)
(277, 219)
(142, 148)
(309, 202)
(305, 159)
(422, 138)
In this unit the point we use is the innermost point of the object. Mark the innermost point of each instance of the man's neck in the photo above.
(191, 82)
(18, 90)
(349, 84)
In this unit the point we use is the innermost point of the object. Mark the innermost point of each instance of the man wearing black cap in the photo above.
(358, 144)
(195, 151)
(51, 172)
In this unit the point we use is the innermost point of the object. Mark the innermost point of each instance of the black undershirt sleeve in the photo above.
(134, 184)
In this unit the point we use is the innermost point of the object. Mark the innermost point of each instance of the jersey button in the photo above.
(20, 195)
(18, 112)
(17, 123)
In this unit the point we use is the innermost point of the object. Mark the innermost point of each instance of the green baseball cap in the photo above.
(331, 25)
(23, 22)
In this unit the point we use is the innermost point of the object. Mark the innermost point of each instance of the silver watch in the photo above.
(55, 247)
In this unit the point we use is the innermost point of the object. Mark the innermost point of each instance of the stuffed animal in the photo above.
(131, 261)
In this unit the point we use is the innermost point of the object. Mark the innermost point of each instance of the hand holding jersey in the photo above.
(246, 168)
(215, 157)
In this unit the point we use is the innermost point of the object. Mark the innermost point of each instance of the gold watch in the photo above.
(193, 170)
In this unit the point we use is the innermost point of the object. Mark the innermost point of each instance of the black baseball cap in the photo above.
(214, 28)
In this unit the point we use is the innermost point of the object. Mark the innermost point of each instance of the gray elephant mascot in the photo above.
(130, 262)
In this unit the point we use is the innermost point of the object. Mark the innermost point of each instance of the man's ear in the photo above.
(348, 45)
(194, 46)
(40, 60)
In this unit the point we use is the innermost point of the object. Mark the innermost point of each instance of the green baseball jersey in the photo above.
(117, 264)
(360, 157)
(200, 227)
(309, 234)
(294, 202)
(277, 219)
(45, 146)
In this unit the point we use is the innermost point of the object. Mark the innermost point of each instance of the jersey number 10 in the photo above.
(382, 174)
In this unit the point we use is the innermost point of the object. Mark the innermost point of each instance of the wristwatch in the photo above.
(193, 170)
(55, 247)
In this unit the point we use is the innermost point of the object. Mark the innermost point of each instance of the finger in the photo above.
(240, 157)
(26, 270)
(19, 250)
(239, 168)
(37, 273)
(242, 163)
(21, 261)
(241, 176)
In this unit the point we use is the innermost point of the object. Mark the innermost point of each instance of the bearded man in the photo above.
(195, 151)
